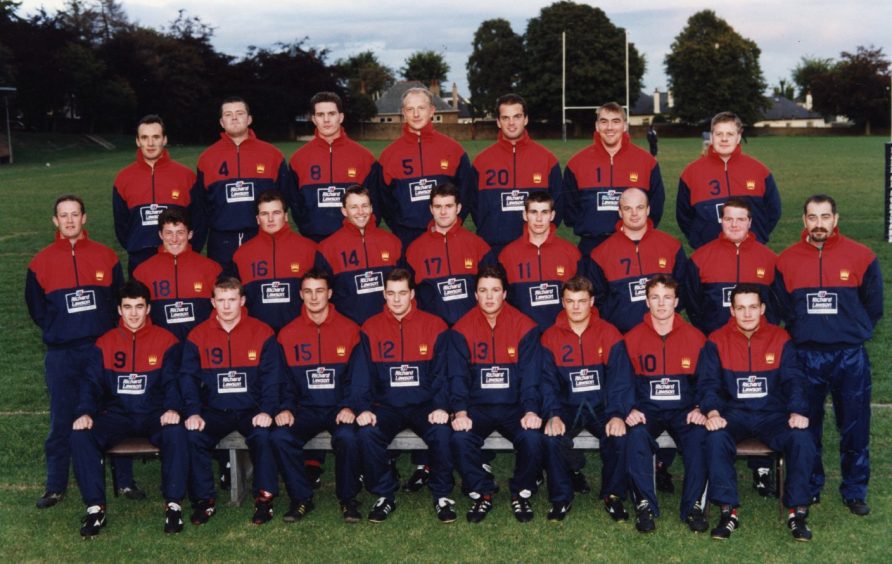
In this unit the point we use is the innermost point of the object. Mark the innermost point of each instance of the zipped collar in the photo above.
(519, 144)
(427, 132)
(339, 140)
(251, 137)
(162, 160)
(829, 243)
(712, 155)
(562, 321)
(600, 148)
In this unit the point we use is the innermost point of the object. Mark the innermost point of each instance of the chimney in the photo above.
(808, 101)
(454, 96)
(435, 88)
(670, 102)
(657, 101)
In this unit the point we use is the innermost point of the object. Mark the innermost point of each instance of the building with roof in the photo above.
(389, 105)
(787, 113)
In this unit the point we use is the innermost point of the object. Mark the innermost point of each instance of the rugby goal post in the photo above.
(564, 106)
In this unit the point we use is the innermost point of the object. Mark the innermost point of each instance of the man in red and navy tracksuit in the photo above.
(586, 384)
(831, 290)
(229, 378)
(596, 176)
(539, 262)
(231, 174)
(494, 386)
(620, 267)
(404, 387)
(446, 258)
(144, 189)
(325, 167)
(735, 256)
(416, 162)
(752, 385)
(725, 172)
(360, 256)
(130, 389)
(180, 280)
(321, 351)
(665, 350)
(507, 172)
(271, 264)
(70, 292)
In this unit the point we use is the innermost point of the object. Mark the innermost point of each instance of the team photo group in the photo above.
(347, 327)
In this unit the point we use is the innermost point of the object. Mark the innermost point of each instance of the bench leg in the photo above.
(240, 473)
(779, 472)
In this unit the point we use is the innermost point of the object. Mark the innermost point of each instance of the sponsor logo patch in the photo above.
(404, 376)
(514, 200)
(80, 301)
(665, 389)
(369, 282)
(751, 387)
(232, 382)
(585, 380)
(636, 290)
(149, 214)
(495, 378)
(544, 294)
(275, 292)
(240, 191)
(179, 312)
(329, 196)
(321, 378)
(608, 200)
(821, 303)
(718, 211)
(420, 190)
(132, 384)
(453, 289)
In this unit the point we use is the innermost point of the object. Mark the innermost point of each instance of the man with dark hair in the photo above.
(359, 255)
(271, 264)
(621, 266)
(507, 172)
(586, 384)
(446, 258)
(230, 378)
(144, 189)
(538, 262)
(70, 292)
(665, 350)
(596, 176)
(325, 167)
(831, 290)
(231, 174)
(495, 387)
(724, 172)
(321, 355)
(180, 280)
(752, 385)
(404, 386)
(130, 389)
(416, 162)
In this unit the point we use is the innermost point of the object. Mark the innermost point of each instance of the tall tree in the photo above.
(784, 88)
(425, 66)
(857, 86)
(712, 68)
(494, 66)
(595, 60)
(808, 71)
(364, 77)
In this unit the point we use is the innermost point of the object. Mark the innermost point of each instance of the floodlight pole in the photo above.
(564, 86)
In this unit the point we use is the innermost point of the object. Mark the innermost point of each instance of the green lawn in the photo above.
(850, 169)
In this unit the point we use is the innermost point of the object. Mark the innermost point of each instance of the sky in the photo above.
(784, 30)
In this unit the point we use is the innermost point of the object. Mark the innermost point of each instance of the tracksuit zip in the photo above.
(737, 278)
(133, 353)
(330, 163)
(274, 255)
(539, 260)
(176, 279)
(74, 260)
(821, 267)
(664, 338)
(514, 172)
(446, 245)
(402, 343)
(727, 179)
(420, 156)
(749, 352)
(153, 184)
(319, 342)
(365, 251)
(229, 347)
(238, 161)
(638, 256)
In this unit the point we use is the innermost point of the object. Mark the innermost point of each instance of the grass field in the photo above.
(850, 169)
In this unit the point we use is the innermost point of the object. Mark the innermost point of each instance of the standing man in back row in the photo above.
(596, 177)
(232, 173)
(325, 167)
(724, 172)
(416, 162)
(507, 172)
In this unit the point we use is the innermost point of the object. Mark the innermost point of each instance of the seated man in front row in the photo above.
(321, 350)
(404, 387)
(229, 379)
(130, 390)
(752, 385)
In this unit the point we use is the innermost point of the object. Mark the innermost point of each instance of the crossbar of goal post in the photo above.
(564, 106)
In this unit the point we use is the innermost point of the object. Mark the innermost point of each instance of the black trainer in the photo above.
(418, 479)
(132, 492)
(314, 475)
(445, 509)
(482, 506)
(49, 499)
(263, 510)
(762, 482)
(696, 520)
(523, 509)
(580, 484)
(93, 521)
(728, 522)
(558, 511)
(796, 521)
(382, 508)
(202, 511)
(858, 507)
(173, 518)
(664, 480)
(644, 517)
(613, 505)
(297, 510)
(350, 511)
